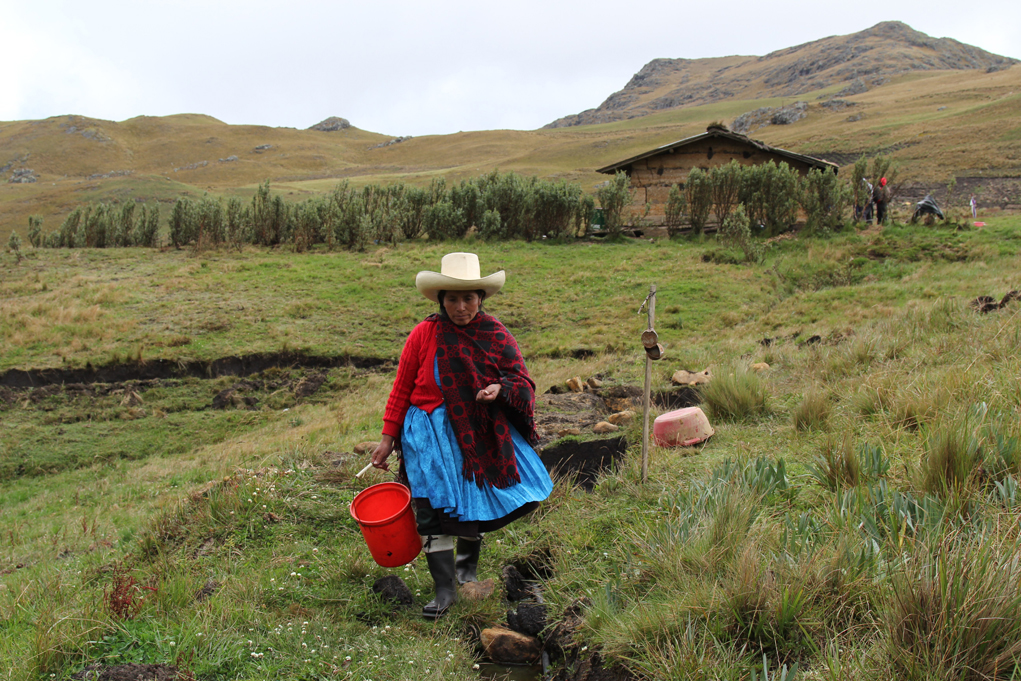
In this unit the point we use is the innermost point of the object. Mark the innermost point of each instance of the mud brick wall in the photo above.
(652, 177)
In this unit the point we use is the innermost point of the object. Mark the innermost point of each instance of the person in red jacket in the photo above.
(461, 412)
(881, 196)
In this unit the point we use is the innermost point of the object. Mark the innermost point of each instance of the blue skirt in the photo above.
(432, 459)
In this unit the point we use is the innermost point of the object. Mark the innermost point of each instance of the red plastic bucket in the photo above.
(387, 520)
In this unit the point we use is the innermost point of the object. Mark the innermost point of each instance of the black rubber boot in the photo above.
(441, 567)
(466, 563)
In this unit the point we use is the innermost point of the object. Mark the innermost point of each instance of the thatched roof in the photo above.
(720, 132)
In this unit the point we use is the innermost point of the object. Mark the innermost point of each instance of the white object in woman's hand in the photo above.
(382, 452)
(489, 393)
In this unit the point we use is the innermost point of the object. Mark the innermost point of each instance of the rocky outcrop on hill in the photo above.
(23, 176)
(767, 115)
(391, 142)
(332, 124)
(862, 60)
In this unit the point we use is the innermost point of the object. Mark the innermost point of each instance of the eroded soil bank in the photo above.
(237, 365)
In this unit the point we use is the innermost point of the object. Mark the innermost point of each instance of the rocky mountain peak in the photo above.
(865, 59)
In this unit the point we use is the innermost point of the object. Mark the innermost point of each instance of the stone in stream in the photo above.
(505, 646)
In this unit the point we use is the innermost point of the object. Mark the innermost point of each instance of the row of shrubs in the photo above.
(770, 196)
(496, 206)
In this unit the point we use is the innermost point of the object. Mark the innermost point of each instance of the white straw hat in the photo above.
(458, 272)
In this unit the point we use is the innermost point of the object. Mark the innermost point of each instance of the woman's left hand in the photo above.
(489, 393)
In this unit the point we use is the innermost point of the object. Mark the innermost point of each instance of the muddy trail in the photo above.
(237, 365)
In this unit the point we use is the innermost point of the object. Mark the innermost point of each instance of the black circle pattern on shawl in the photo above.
(470, 358)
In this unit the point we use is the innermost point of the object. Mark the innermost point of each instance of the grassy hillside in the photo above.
(936, 124)
(856, 513)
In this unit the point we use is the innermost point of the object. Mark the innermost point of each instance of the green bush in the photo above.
(180, 223)
(615, 198)
(35, 232)
(726, 188)
(676, 206)
(770, 194)
(735, 233)
(698, 190)
(824, 199)
(14, 245)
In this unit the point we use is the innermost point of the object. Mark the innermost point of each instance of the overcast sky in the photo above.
(402, 67)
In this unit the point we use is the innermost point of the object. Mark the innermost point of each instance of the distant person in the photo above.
(974, 206)
(864, 212)
(881, 196)
(462, 407)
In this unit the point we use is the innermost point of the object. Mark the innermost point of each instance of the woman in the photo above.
(462, 408)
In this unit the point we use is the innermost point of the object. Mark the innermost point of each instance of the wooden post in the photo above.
(648, 388)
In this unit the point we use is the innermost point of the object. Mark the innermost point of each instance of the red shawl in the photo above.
(471, 357)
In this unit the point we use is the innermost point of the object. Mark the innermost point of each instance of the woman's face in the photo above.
(461, 306)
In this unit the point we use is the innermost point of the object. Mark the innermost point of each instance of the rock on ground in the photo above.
(505, 646)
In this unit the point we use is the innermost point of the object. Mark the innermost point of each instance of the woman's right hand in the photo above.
(382, 452)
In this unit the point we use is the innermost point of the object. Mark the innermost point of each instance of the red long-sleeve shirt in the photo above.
(415, 383)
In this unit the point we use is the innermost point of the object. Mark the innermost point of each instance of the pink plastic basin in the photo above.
(681, 428)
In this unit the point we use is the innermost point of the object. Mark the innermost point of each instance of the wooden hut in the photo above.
(654, 172)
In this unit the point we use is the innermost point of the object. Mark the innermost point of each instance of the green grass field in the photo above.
(856, 513)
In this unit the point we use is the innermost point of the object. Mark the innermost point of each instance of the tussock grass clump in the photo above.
(912, 409)
(955, 610)
(872, 399)
(736, 394)
(840, 465)
(813, 412)
(976, 448)
(836, 466)
(765, 611)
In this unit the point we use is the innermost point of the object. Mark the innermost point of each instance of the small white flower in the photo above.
(172, 643)
(315, 550)
(293, 573)
(475, 666)
(199, 634)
